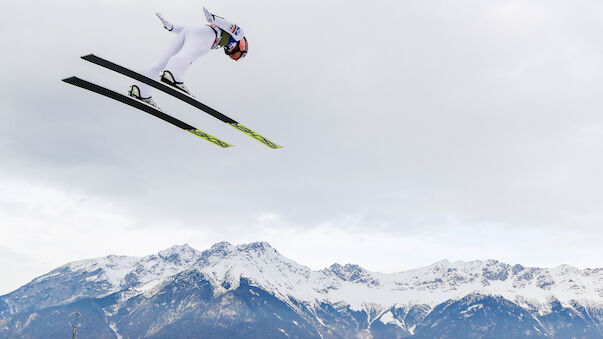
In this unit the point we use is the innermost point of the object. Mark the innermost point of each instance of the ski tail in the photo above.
(145, 108)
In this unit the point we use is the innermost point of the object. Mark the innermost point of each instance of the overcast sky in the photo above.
(413, 131)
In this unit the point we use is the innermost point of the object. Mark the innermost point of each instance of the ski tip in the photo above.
(88, 56)
(209, 138)
(255, 135)
(268, 142)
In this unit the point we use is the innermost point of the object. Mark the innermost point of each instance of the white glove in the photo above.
(210, 17)
(166, 23)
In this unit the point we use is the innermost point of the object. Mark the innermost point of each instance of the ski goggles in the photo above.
(238, 51)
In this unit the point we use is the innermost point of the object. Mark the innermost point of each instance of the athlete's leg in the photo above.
(198, 41)
(155, 69)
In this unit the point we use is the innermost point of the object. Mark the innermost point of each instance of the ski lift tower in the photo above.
(75, 323)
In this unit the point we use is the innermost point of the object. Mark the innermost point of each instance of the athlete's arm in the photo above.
(169, 26)
(235, 31)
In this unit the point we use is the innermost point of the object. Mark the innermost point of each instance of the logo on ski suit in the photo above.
(234, 29)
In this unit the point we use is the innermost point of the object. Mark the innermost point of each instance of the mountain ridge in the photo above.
(225, 263)
(335, 298)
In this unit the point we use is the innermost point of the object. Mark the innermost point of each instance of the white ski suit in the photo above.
(191, 42)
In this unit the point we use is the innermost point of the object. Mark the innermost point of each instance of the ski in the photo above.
(178, 94)
(145, 108)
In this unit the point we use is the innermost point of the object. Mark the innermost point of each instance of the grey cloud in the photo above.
(411, 117)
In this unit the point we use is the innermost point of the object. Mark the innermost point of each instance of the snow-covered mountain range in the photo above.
(338, 301)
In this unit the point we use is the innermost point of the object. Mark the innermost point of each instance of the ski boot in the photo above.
(134, 92)
(168, 78)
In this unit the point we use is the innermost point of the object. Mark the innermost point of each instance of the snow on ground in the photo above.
(388, 318)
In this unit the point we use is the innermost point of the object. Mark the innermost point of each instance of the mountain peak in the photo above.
(178, 254)
(353, 273)
(259, 246)
(441, 263)
(178, 250)
(226, 251)
(222, 247)
(348, 268)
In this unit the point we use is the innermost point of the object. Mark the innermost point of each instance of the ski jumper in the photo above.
(190, 43)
